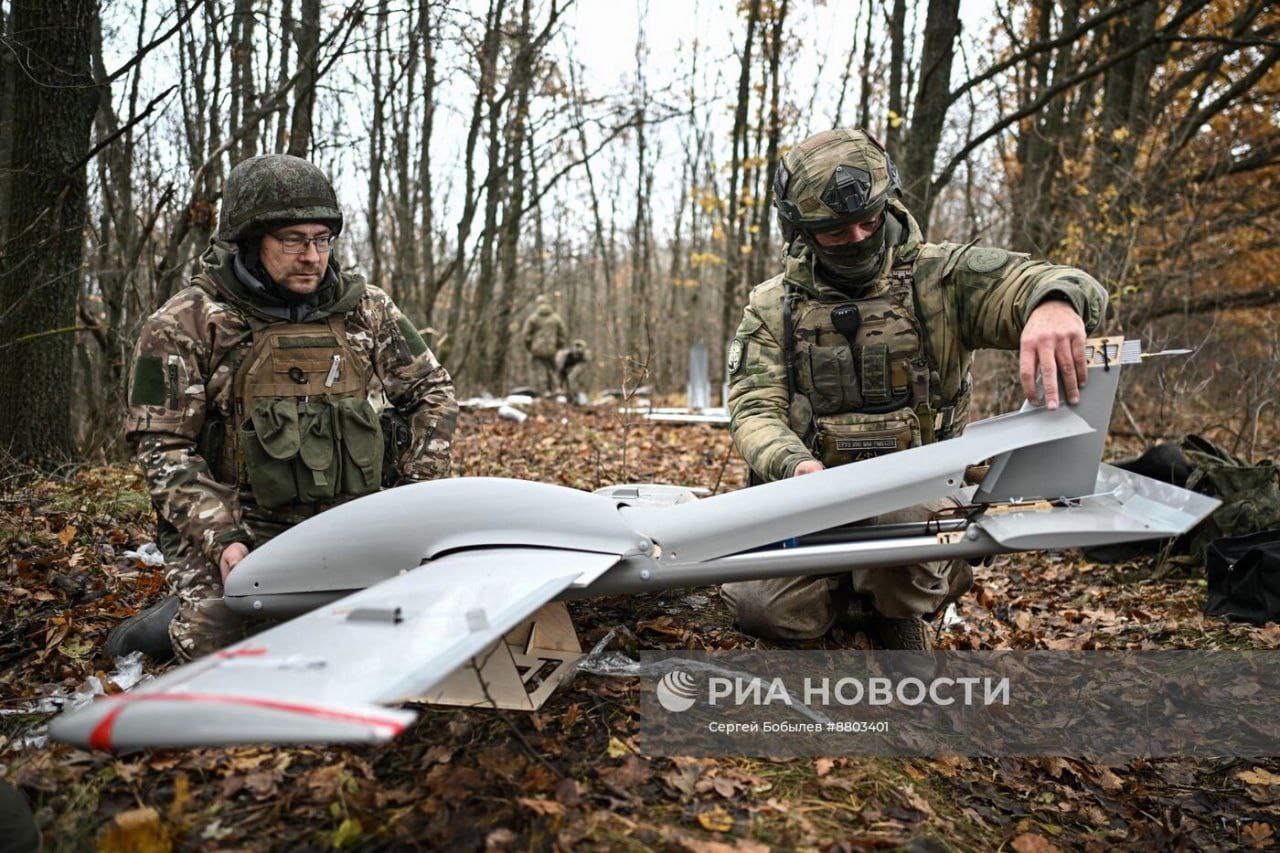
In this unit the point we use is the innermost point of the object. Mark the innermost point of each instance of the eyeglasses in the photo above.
(293, 244)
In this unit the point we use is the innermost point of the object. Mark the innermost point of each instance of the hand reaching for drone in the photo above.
(1053, 342)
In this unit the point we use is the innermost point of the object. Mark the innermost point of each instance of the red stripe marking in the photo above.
(251, 652)
(100, 737)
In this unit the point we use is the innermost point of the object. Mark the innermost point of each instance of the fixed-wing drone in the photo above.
(453, 591)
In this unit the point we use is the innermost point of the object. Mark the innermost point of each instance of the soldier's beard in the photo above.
(251, 255)
(853, 264)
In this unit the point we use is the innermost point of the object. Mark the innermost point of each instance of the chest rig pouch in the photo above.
(863, 383)
(304, 428)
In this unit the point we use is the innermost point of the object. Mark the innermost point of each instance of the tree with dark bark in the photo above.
(54, 100)
(307, 44)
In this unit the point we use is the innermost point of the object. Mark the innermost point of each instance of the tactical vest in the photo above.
(302, 428)
(876, 393)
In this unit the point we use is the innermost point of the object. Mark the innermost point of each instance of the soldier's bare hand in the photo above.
(232, 554)
(809, 466)
(1053, 342)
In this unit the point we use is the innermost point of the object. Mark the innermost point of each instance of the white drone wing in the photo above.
(320, 677)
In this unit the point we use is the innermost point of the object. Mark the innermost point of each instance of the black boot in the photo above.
(147, 632)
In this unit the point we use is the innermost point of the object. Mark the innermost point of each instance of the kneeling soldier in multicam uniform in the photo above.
(271, 388)
(863, 346)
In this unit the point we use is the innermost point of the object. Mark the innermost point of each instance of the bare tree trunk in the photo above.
(765, 248)
(837, 119)
(486, 73)
(8, 76)
(485, 283)
(377, 145)
(307, 38)
(404, 275)
(605, 252)
(639, 311)
(539, 239)
(53, 106)
(120, 245)
(733, 255)
(282, 74)
(499, 339)
(426, 232)
(864, 98)
(897, 97)
(929, 113)
(243, 93)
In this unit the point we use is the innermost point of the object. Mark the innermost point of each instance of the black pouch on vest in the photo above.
(396, 437)
(1244, 578)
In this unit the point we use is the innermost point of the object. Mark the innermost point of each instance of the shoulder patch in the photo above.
(734, 363)
(986, 259)
(417, 346)
(148, 382)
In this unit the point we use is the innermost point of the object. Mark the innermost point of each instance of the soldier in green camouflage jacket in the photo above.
(544, 335)
(271, 388)
(863, 346)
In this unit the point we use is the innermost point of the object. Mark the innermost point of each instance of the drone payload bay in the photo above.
(452, 591)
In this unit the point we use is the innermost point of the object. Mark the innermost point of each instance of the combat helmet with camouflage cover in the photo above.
(830, 180)
(276, 188)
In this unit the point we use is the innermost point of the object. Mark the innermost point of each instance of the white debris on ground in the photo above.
(511, 413)
(127, 674)
(488, 401)
(148, 554)
(508, 406)
(951, 618)
(679, 414)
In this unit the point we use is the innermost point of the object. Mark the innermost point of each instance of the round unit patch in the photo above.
(735, 355)
(986, 259)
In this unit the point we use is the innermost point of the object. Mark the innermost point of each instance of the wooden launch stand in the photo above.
(519, 671)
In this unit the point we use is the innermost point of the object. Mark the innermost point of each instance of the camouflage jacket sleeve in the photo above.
(167, 410)
(758, 406)
(420, 389)
(995, 292)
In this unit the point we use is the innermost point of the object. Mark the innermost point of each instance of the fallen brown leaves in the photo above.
(575, 776)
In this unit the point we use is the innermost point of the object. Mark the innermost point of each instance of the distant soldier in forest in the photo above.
(273, 387)
(570, 362)
(862, 346)
(544, 335)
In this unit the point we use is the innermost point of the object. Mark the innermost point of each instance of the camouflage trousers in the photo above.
(804, 608)
(566, 378)
(549, 379)
(204, 623)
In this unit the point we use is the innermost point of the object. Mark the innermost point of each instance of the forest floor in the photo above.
(570, 775)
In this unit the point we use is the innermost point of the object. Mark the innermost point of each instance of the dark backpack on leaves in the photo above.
(1250, 494)
(1244, 578)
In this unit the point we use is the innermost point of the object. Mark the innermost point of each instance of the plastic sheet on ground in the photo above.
(617, 664)
(148, 554)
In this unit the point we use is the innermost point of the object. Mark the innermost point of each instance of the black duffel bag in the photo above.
(1244, 578)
